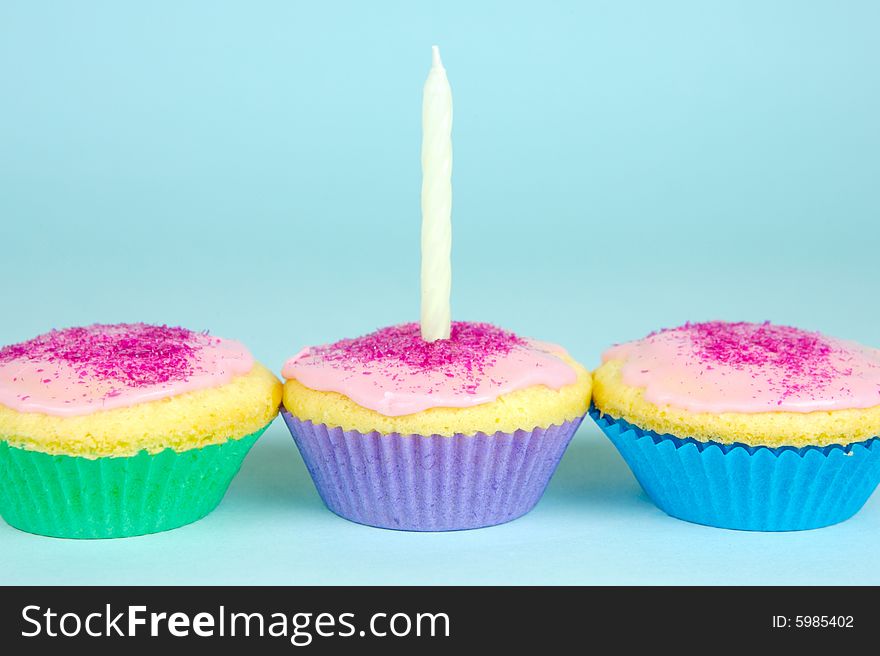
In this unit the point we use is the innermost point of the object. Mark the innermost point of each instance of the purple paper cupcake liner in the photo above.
(753, 488)
(430, 482)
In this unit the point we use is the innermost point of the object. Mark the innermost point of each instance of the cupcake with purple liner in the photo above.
(747, 426)
(441, 425)
(403, 433)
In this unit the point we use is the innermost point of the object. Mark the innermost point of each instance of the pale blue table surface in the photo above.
(253, 169)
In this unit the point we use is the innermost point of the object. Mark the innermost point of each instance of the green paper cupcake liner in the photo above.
(75, 497)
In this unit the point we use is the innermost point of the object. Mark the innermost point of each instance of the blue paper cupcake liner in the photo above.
(745, 487)
(430, 482)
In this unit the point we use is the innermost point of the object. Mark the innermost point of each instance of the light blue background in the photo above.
(253, 168)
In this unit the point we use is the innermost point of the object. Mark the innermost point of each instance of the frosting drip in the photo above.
(395, 372)
(719, 367)
(78, 371)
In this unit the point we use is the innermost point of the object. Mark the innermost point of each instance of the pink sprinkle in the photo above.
(800, 358)
(470, 348)
(134, 354)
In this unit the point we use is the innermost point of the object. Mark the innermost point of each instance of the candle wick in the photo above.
(435, 57)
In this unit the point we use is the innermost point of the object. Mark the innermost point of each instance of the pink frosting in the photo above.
(750, 367)
(395, 372)
(78, 371)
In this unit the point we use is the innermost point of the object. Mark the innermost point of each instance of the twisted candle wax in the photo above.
(436, 203)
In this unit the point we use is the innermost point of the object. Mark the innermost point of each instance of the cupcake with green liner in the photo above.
(125, 429)
(463, 432)
(745, 425)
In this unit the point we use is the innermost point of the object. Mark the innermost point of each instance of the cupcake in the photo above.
(125, 429)
(402, 433)
(747, 426)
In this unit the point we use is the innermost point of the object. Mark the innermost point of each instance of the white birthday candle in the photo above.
(436, 203)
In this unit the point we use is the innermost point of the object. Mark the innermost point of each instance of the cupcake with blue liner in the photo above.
(458, 433)
(125, 429)
(749, 426)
